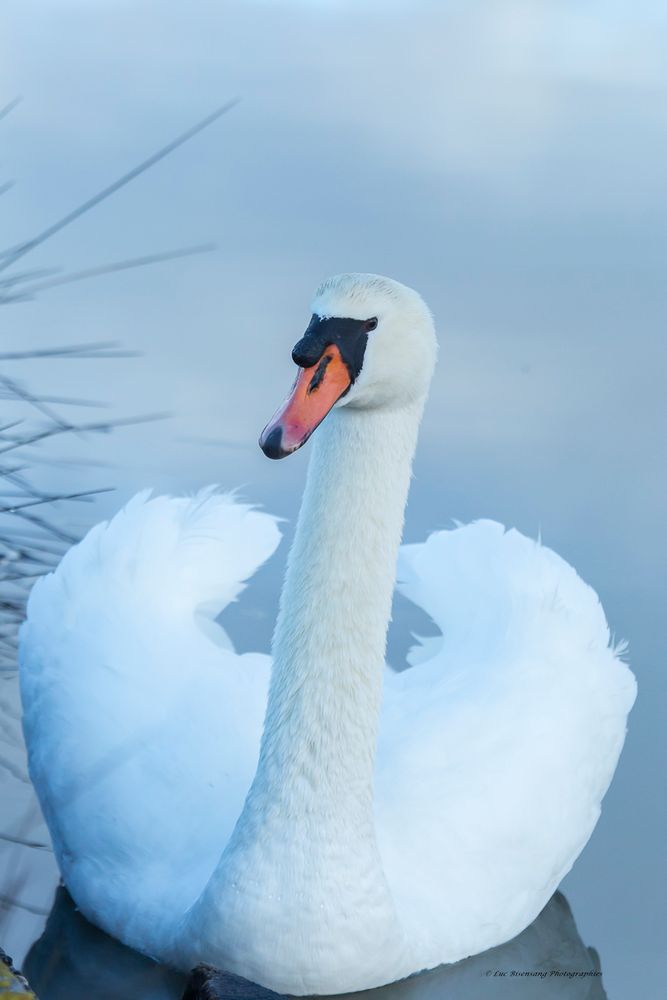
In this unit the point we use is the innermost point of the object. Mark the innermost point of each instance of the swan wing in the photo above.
(497, 745)
(142, 723)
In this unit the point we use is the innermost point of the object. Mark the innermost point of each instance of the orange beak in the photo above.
(313, 394)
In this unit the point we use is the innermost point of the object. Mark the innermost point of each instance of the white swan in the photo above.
(335, 868)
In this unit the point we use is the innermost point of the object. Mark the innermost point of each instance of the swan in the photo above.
(316, 822)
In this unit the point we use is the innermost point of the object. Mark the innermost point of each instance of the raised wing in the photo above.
(497, 745)
(141, 721)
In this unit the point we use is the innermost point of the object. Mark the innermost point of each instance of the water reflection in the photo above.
(72, 960)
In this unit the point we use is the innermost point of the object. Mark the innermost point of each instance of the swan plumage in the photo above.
(142, 721)
(335, 868)
(476, 833)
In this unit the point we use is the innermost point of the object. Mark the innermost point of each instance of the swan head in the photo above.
(370, 343)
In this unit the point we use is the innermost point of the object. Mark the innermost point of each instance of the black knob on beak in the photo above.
(308, 351)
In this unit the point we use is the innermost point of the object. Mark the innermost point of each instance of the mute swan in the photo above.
(382, 833)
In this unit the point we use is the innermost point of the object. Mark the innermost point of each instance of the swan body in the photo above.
(74, 959)
(378, 823)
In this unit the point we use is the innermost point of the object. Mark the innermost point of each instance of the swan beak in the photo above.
(314, 393)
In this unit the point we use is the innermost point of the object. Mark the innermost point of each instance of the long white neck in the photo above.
(307, 828)
(319, 739)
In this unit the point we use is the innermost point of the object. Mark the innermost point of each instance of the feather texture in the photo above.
(144, 732)
(497, 746)
(142, 722)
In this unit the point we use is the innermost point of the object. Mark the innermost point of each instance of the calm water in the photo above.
(508, 160)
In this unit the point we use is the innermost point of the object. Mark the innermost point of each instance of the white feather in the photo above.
(496, 750)
(142, 731)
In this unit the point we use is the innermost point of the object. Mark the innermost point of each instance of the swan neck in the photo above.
(330, 637)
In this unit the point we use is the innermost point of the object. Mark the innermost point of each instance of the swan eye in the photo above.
(370, 324)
